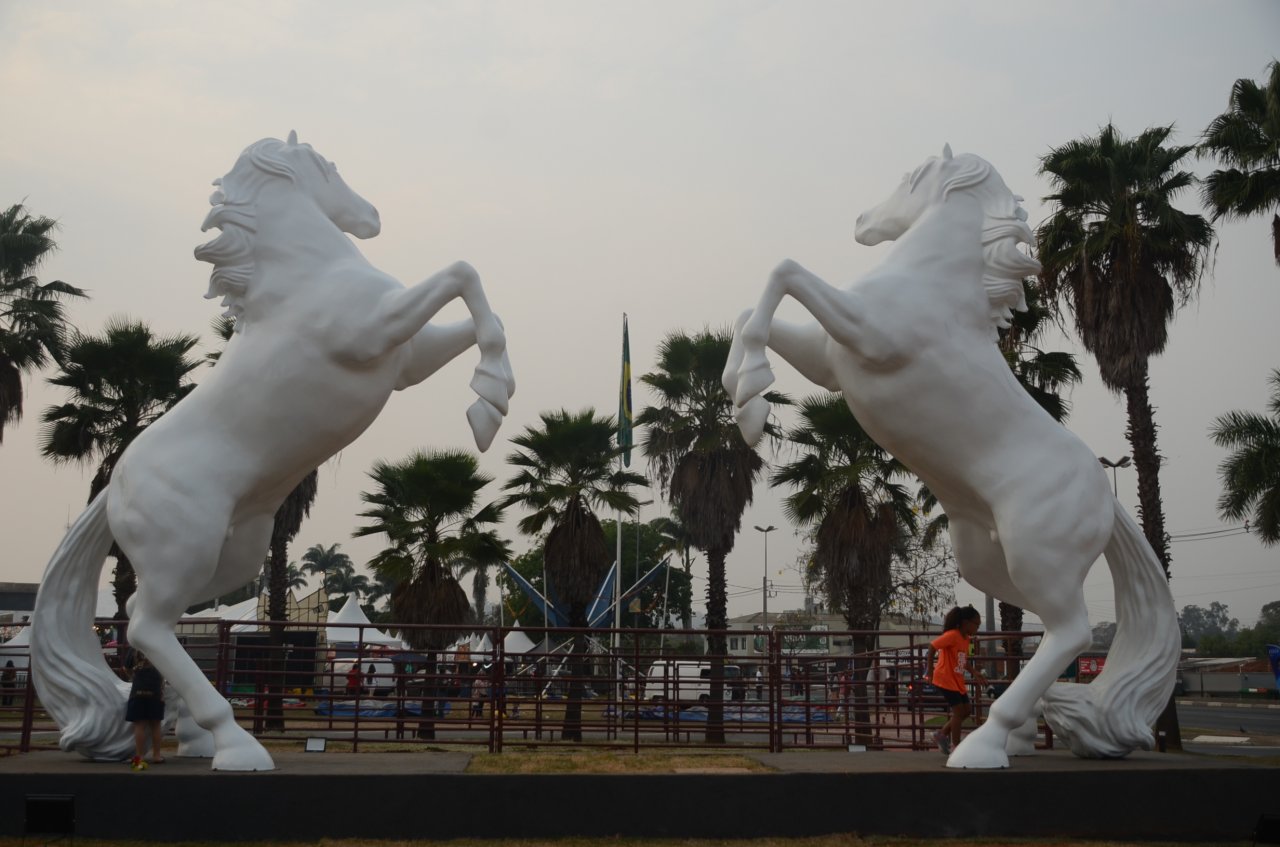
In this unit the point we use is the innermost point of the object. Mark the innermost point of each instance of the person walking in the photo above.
(354, 678)
(952, 652)
(8, 682)
(145, 710)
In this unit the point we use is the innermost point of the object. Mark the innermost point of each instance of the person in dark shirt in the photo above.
(145, 711)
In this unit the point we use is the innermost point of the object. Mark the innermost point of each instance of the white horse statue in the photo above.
(912, 347)
(322, 339)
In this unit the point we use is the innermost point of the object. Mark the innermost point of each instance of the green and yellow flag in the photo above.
(625, 438)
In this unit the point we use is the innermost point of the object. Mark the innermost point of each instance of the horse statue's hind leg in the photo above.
(169, 558)
(1047, 574)
(980, 559)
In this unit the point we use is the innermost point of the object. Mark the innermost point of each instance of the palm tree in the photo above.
(120, 383)
(427, 507)
(1246, 138)
(844, 489)
(33, 325)
(674, 538)
(1251, 473)
(1120, 258)
(295, 578)
(566, 469)
(704, 469)
(336, 571)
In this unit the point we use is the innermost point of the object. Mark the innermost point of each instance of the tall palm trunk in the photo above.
(717, 645)
(1146, 461)
(572, 728)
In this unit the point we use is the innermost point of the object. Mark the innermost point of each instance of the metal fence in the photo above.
(628, 689)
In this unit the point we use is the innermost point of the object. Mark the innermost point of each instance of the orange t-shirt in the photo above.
(953, 654)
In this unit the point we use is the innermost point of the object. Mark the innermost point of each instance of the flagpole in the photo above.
(624, 456)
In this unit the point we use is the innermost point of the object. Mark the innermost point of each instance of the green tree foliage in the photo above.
(1197, 623)
(427, 506)
(643, 610)
(33, 324)
(119, 383)
(1251, 472)
(1246, 138)
(1119, 257)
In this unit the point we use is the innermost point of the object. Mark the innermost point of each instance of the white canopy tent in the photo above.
(517, 642)
(353, 616)
(17, 649)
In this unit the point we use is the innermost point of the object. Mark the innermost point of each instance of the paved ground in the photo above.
(794, 762)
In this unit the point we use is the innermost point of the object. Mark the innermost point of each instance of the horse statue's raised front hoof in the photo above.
(982, 748)
(752, 418)
(484, 420)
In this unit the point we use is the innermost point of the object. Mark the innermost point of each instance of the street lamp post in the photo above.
(1122, 462)
(765, 581)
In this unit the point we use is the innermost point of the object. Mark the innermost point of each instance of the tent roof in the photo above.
(517, 642)
(352, 614)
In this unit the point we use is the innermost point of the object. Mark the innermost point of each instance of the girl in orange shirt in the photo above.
(952, 649)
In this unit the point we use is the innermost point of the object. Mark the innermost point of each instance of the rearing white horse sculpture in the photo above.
(912, 346)
(322, 339)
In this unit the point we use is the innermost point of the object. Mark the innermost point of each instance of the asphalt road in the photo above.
(1225, 716)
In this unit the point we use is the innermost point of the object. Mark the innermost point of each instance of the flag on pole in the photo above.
(625, 438)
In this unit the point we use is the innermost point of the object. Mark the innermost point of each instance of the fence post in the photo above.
(28, 711)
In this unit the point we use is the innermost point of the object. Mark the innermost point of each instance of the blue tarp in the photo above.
(371, 708)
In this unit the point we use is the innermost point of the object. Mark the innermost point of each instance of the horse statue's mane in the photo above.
(1004, 227)
(234, 212)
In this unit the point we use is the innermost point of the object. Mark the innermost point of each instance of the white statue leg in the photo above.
(404, 313)
(241, 561)
(1048, 577)
(981, 563)
(835, 311)
(432, 348)
(168, 562)
(804, 347)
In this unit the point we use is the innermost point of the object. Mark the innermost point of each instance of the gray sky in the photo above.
(591, 158)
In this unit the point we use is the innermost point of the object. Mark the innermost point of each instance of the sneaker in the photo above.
(943, 742)
(138, 763)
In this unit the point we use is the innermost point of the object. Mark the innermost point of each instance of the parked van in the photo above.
(689, 681)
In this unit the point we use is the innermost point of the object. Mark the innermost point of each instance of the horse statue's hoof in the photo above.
(494, 384)
(243, 757)
(977, 751)
(485, 420)
(752, 418)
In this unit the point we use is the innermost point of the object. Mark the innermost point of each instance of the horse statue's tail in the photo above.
(1113, 715)
(74, 683)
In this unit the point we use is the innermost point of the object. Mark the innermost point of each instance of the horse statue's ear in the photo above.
(946, 152)
(293, 138)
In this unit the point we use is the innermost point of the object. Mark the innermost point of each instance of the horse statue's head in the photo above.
(263, 163)
(1004, 224)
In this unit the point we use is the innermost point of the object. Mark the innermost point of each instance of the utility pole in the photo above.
(764, 584)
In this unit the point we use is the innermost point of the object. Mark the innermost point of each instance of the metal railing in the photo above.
(572, 688)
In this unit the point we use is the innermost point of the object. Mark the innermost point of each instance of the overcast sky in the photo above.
(592, 158)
